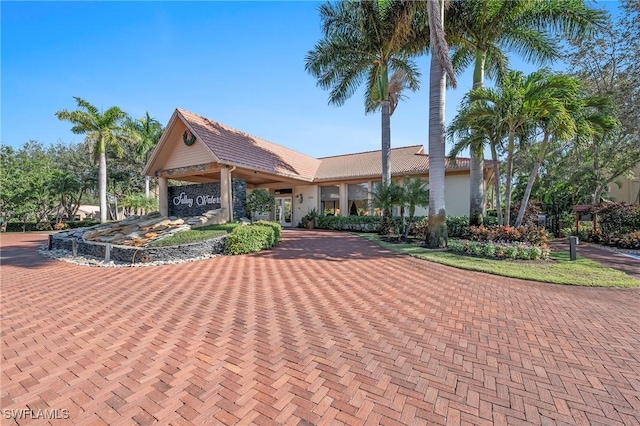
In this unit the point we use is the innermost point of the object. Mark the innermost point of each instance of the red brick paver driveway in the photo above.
(325, 329)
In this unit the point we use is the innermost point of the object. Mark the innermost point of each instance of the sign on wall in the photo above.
(193, 200)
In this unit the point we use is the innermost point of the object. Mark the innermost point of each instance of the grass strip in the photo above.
(558, 270)
(195, 235)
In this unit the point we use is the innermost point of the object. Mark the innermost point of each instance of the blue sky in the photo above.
(239, 63)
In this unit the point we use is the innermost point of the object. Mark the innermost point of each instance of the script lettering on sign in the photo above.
(204, 200)
(182, 199)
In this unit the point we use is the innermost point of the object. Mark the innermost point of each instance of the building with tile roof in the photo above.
(196, 149)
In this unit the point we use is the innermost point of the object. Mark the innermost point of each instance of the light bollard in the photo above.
(573, 242)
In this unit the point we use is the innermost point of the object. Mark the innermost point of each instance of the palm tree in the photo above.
(482, 30)
(385, 196)
(147, 131)
(474, 129)
(101, 129)
(440, 69)
(365, 41)
(413, 193)
(513, 103)
(553, 115)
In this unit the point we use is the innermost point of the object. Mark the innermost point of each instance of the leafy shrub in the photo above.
(277, 228)
(350, 223)
(527, 234)
(534, 209)
(499, 250)
(457, 226)
(82, 223)
(250, 239)
(628, 241)
(311, 216)
(421, 228)
(617, 219)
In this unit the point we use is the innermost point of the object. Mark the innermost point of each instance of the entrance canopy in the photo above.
(195, 149)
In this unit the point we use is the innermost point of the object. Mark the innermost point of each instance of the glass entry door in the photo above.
(284, 210)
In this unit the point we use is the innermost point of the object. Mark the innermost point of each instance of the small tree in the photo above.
(385, 196)
(260, 201)
(414, 193)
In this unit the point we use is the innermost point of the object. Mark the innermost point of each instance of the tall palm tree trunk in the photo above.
(437, 213)
(496, 182)
(102, 184)
(386, 140)
(532, 178)
(476, 160)
(507, 191)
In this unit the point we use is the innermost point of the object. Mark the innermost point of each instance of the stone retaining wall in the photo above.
(133, 255)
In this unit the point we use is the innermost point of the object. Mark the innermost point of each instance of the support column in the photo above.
(163, 196)
(231, 194)
(344, 199)
(225, 193)
(370, 197)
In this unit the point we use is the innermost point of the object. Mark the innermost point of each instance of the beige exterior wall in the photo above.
(310, 200)
(456, 198)
(629, 190)
(456, 195)
(182, 155)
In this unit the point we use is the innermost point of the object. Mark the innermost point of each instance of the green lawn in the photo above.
(558, 270)
(195, 235)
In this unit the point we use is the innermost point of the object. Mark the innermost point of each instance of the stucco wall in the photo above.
(309, 201)
(457, 193)
(629, 190)
(456, 196)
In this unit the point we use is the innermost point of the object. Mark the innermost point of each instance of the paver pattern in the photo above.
(325, 329)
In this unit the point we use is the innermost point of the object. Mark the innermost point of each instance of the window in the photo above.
(330, 200)
(358, 199)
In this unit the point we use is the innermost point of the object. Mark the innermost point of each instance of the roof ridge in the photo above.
(367, 152)
(208, 120)
(447, 157)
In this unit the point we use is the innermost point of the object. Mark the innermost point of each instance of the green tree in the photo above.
(440, 68)
(75, 176)
(147, 132)
(553, 115)
(413, 193)
(139, 202)
(514, 103)
(260, 201)
(25, 189)
(476, 128)
(102, 130)
(385, 196)
(13, 185)
(483, 30)
(607, 64)
(365, 41)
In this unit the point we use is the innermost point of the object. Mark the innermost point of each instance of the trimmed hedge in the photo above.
(253, 238)
(277, 228)
(499, 250)
(457, 226)
(350, 223)
(526, 234)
